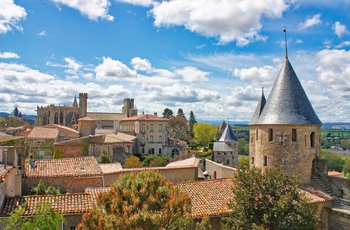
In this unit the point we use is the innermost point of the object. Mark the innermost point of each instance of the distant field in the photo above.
(336, 132)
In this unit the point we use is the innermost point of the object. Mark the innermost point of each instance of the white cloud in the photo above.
(238, 22)
(339, 29)
(8, 55)
(141, 64)
(262, 76)
(42, 33)
(10, 16)
(72, 64)
(343, 44)
(144, 3)
(314, 20)
(112, 70)
(191, 74)
(93, 9)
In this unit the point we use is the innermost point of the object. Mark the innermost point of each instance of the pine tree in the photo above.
(180, 113)
(191, 122)
(168, 113)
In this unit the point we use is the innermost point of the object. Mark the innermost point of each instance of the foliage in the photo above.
(270, 200)
(141, 200)
(41, 189)
(154, 160)
(346, 167)
(335, 162)
(204, 224)
(345, 144)
(191, 122)
(168, 113)
(59, 153)
(204, 133)
(180, 113)
(133, 162)
(206, 153)
(177, 128)
(243, 162)
(242, 146)
(45, 218)
(104, 158)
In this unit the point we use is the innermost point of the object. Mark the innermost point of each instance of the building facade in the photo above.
(285, 130)
(225, 150)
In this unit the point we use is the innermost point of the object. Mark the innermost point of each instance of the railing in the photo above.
(345, 204)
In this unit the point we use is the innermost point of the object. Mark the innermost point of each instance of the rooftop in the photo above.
(43, 133)
(145, 117)
(61, 203)
(76, 167)
(118, 138)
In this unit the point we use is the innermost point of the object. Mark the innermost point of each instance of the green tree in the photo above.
(177, 128)
(180, 113)
(243, 162)
(335, 162)
(204, 133)
(346, 168)
(242, 142)
(41, 189)
(191, 122)
(345, 144)
(45, 218)
(155, 161)
(167, 113)
(133, 162)
(142, 200)
(104, 158)
(270, 200)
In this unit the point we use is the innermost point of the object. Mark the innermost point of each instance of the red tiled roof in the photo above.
(43, 133)
(337, 174)
(61, 127)
(144, 117)
(77, 167)
(61, 203)
(208, 198)
(94, 192)
(315, 195)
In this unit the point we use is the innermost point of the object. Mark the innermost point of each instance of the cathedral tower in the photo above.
(285, 129)
(83, 97)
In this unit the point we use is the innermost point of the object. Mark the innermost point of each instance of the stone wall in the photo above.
(222, 171)
(65, 184)
(335, 219)
(293, 156)
(340, 186)
(69, 151)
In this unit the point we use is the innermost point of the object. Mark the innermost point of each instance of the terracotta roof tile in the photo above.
(43, 133)
(61, 127)
(77, 167)
(61, 203)
(94, 192)
(208, 198)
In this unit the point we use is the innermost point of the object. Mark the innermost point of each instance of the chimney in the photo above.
(155, 113)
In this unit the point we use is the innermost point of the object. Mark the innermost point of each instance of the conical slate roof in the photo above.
(228, 135)
(287, 102)
(258, 109)
(75, 102)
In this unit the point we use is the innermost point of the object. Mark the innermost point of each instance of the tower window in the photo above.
(252, 160)
(265, 161)
(270, 134)
(312, 140)
(257, 134)
(294, 135)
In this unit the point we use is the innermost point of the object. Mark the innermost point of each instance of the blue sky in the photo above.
(207, 56)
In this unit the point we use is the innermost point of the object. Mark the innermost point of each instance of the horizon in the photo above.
(166, 57)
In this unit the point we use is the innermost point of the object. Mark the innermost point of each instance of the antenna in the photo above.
(285, 41)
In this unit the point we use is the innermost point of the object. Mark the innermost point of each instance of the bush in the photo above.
(133, 162)
(160, 158)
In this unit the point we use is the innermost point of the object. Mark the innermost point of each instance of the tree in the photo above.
(142, 200)
(243, 162)
(41, 189)
(204, 133)
(269, 200)
(335, 162)
(242, 148)
(168, 113)
(133, 162)
(180, 113)
(191, 122)
(45, 218)
(346, 168)
(177, 128)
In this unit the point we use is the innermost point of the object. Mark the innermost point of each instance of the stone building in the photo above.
(152, 135)
(285, 129)
(68, 115)
(225, 150)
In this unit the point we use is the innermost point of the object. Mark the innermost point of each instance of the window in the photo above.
(151, 138)
(73, 227)
(160, 138)
(55, 120)
(270, 134)
(160, 151)
(257, 134)
(228, 161)
(152, 151)
(312, 140)
(265, 161)
(151, 128)
(143, 139)
(41, 154)
(143, 150)
(92, 150)
(143, 128)
(294, 135)
(252, 160)
(160, 128)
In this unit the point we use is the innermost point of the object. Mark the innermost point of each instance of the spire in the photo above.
(285, 41)
(75, 102)
(259, 108)
(228, 135)
(287, 102)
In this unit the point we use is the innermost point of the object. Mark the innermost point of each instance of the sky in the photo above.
(211, 57)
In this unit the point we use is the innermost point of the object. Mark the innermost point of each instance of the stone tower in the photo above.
(285, 129)
(83, 97)
(128, 108)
